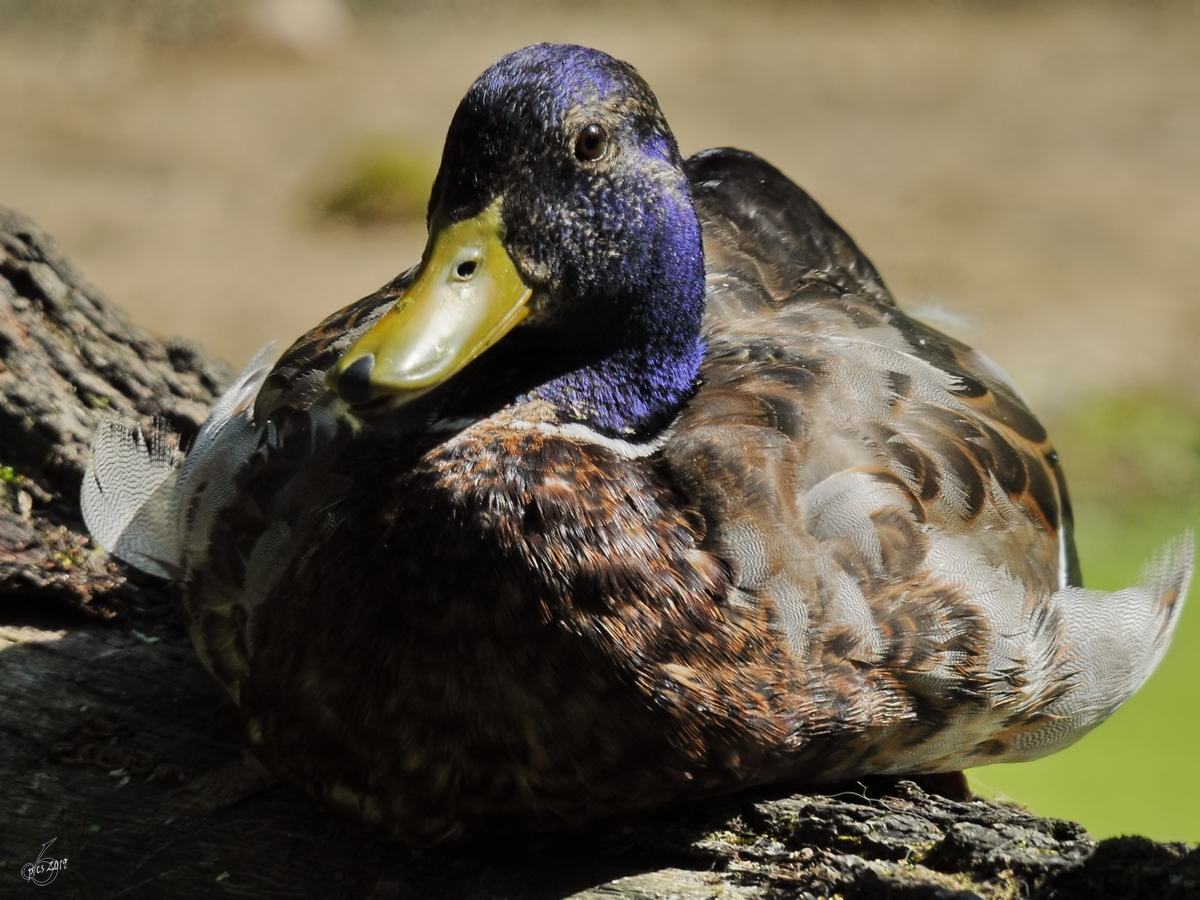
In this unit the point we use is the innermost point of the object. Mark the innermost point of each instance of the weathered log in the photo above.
(67, 357)
(120, 748)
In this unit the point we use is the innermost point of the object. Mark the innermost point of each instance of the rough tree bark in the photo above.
(117, 745)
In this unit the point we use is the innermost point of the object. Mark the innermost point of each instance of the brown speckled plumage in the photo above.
(546, 629)
(557, 644)
(850, 554)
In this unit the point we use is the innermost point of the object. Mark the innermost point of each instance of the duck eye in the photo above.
(591, 143)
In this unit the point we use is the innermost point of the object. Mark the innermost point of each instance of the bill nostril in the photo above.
(354, 384)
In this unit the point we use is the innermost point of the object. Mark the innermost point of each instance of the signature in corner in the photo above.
(44, 869)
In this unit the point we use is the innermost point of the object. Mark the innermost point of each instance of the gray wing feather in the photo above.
(884, 496)
(148, 505)
(208, 480)
(128, 496)
(1114, 642)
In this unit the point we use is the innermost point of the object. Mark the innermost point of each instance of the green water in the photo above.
(1134, 464)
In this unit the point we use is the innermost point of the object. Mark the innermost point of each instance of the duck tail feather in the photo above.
(1113, 641)
(208, 479)
(237, 398)
(1165, 581)
(128, 494)
(142, 499)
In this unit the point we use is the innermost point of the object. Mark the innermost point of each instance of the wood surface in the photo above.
(118, 746)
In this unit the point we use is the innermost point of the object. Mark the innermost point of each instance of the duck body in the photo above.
(708, 516)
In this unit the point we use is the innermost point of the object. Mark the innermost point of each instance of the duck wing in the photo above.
(297, 381)
(885, 497)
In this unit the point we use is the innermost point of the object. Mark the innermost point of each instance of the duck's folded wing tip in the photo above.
(1168, 576)
(1113, 642)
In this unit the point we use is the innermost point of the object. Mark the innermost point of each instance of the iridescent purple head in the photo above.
(560, 158)
(597, 213)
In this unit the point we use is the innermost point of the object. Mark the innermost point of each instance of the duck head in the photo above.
(564, 259)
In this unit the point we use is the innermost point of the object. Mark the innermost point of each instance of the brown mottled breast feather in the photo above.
(549, 643)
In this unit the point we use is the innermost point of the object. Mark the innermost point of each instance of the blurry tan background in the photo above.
(1025, 175)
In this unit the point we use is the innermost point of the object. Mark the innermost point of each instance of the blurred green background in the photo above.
(1025, 174)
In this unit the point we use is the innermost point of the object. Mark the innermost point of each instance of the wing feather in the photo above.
(146, 503)
(128, 495)
(894, 480)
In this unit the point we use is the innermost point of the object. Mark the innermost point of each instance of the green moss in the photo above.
(385, 181)
(919, 852)
(10, 476)
(69, 557)
(732, 838)
(1003, 885)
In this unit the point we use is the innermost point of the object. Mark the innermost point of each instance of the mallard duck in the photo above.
(638, 488)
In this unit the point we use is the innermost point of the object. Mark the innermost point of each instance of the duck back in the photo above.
(883, 492)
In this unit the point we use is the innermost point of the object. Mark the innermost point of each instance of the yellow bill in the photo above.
(467, 295)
